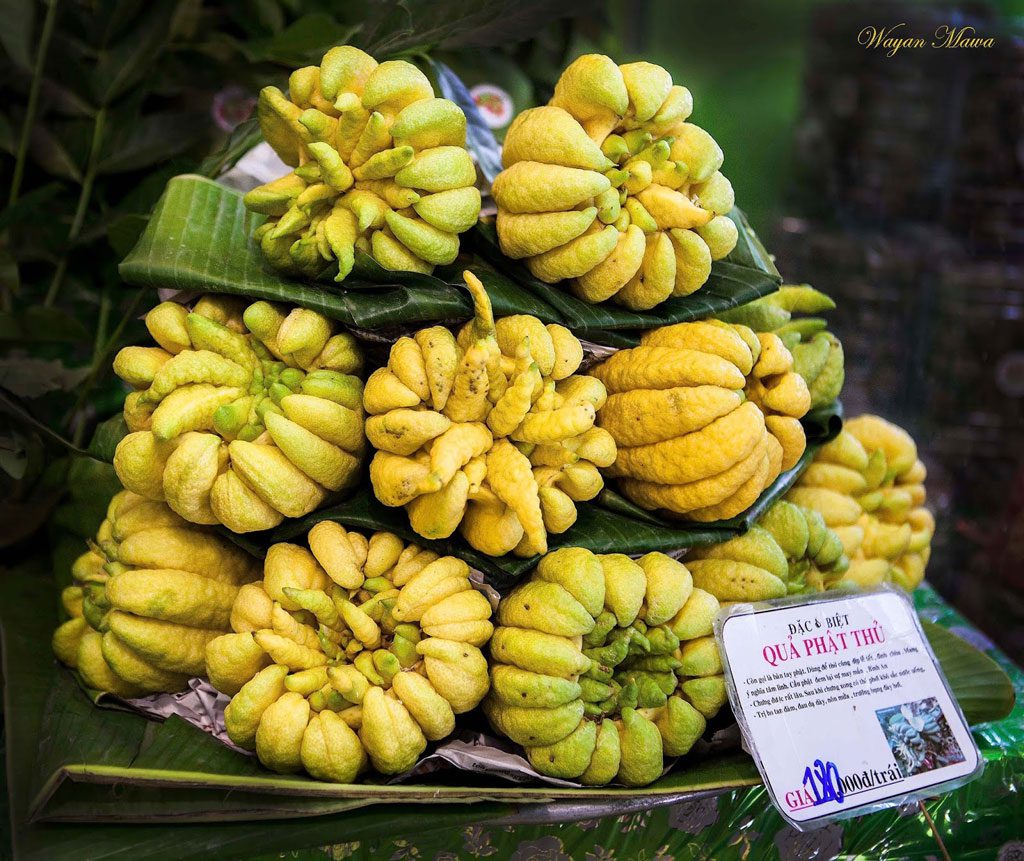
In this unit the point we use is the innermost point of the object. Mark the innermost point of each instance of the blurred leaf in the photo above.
(151, 139)
(106, 437)
(51, 155)
(124, 231)
(29, 377)
(13, 457)
(39, 324)
(16, 32)
(406, 26)
(29, 205)
(242, 139)
(302, 42)
(7, 137)
(121, 66)
(62, 100)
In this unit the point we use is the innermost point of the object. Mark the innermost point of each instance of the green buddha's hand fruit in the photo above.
(491, 432)
(789, 551)
(148, 598)
(352, 653)
(817, 354)
(590, 665)
(243, 415)
(610, 188)
(380, 165)
(868, 486)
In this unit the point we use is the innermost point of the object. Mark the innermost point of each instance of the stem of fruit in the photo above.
(83, 204)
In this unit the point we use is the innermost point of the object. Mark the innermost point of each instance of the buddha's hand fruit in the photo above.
(789, 551)
(609, 188)
(147, 598)
(380, 165)
(242, 416)
(702, 417)
(868, 485)
(817, 354)
(352, 653)
(491, 432)
(600, 666)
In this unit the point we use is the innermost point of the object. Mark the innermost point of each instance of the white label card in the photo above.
(842, 704)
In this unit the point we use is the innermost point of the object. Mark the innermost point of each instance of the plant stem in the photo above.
(29, 122)
(83, 204)
(101, 356)
(33, 100)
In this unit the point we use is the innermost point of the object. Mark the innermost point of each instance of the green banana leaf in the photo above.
(199, 239)
(748, 273)
(979, 684)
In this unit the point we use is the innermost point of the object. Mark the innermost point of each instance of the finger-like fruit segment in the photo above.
(662, 196)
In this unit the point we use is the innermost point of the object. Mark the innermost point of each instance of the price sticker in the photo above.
(842, 704)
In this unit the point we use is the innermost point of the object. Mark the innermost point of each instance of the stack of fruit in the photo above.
(355, 651)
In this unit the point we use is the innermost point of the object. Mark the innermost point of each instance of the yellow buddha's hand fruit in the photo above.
(868, 485)
(149, 596)
(600, 664)
(252, 415)
(704, 415)
(380, 165)
(351, 653)
(491, 432)
(609, 188)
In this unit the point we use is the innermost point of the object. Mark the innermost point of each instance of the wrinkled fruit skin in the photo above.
(789, 552)
(491, 433)
(148, 596)
(351, 654)
(868, 485)
(601, 665)
(242, 416)
(609, 188)
(817, 353)
(380, 166)
(704, 415)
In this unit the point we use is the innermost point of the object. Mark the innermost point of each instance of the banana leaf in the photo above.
(199, 239)
(748, 273)
(979, 684)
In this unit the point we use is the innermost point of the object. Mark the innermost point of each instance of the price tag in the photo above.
(842, 704)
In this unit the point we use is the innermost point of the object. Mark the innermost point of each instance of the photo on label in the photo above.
(919, 736)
